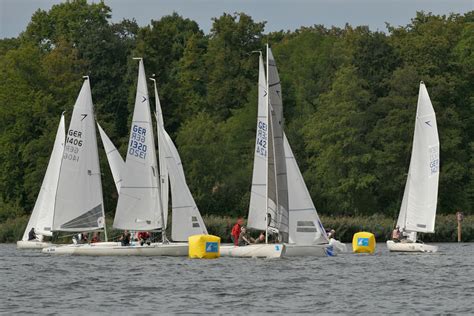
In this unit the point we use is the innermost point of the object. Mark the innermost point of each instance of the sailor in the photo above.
(125, 238)
(396, 234)
(32, 234)
(260, 239)
(244, 237)
(235, 232)
(144, 237)
(331, 234)
(95, 237)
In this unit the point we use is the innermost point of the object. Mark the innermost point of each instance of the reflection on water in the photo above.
(382, 283)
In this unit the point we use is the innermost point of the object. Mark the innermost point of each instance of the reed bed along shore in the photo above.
(346, 226)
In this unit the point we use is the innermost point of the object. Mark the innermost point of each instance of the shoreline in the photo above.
(345, 226)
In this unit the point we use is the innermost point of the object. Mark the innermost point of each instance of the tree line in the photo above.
(349, 102)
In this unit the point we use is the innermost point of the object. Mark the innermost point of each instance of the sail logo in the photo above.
(434, 159)
(362, 241)
(212, 247)
(262, 135)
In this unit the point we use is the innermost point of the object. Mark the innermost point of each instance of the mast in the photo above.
(159, 126)
(273, 147)
(98, 163)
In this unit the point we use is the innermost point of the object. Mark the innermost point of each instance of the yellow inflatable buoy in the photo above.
(204, 246)
(363, 242)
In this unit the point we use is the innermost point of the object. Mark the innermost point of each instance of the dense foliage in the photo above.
(349, 102)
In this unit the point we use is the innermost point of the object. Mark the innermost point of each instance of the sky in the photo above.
(279, 14)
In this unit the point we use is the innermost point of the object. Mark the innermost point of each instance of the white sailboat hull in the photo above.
(410, 247)
(322, 250)
(253, 251)
(155, 249)
(32, 244)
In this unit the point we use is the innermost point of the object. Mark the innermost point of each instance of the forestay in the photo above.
(79, 204)
(116, 162)
(138, 206)
(305, 226)
(42, 216)
(418, 210)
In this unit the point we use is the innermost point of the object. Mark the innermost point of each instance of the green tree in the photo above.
(339, 174)
(231, 69)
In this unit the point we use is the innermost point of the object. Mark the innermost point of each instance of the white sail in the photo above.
(258, 194)
(79, 204)
(187, 220)
(138, 206)
(116, 162)
(305, 225)
(164, 179)
(276, 118)
(42, 216)
(418, 210)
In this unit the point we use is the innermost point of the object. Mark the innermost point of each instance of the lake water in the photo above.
(35, 283)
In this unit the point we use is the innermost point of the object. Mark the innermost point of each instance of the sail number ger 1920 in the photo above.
(137, 142)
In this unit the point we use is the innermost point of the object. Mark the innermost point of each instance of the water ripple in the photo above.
(384, 283)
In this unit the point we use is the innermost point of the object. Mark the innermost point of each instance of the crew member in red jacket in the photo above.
(235, 233)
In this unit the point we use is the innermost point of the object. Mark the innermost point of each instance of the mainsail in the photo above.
(418, 209)
(257, 217)
(116, 162)
(164, 181)
(276, 127)
(138, 206)
(42, 216)
(269, 194)
(79, 205)
(305, 225)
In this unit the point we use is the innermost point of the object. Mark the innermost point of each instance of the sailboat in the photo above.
(78, 201)
(279, 202)
(140, 206)
(41, 218)
(418, 209)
